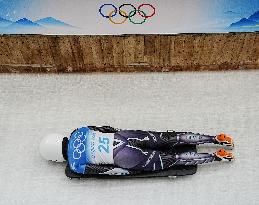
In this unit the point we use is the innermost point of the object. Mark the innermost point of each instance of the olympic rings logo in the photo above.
(78, 145)
(128, 15)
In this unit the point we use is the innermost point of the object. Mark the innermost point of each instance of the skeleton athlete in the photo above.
(105, 150)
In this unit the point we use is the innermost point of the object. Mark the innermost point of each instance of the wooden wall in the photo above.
(129, 53)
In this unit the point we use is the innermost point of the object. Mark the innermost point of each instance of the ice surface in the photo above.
(32, 106)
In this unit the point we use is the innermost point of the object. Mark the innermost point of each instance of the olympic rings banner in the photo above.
(115, 17)
(127, 15)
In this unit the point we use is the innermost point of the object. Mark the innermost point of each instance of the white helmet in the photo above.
(51, 147)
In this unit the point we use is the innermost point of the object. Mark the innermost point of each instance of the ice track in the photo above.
(32, 106)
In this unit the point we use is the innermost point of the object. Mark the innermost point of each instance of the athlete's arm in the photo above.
(107, 169)
(103, 129)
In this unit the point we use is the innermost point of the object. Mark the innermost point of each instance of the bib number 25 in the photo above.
(103, 144)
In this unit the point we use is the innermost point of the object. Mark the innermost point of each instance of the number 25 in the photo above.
(104, 144)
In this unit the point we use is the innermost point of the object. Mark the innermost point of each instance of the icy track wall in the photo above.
(128, 53)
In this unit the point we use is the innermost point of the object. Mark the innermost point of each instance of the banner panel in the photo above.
(128, 17)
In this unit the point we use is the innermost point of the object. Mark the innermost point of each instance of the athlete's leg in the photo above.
(132, 158)
(192, 138)
(193, 158)
(153, 140)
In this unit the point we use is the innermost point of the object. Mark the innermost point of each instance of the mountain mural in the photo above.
(243, 22)
(251, 22)
(24, 22)
(4, 22)
(254, 17)
(50, 21)
(24, 25)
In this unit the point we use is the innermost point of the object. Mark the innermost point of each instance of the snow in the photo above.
(33, 106)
